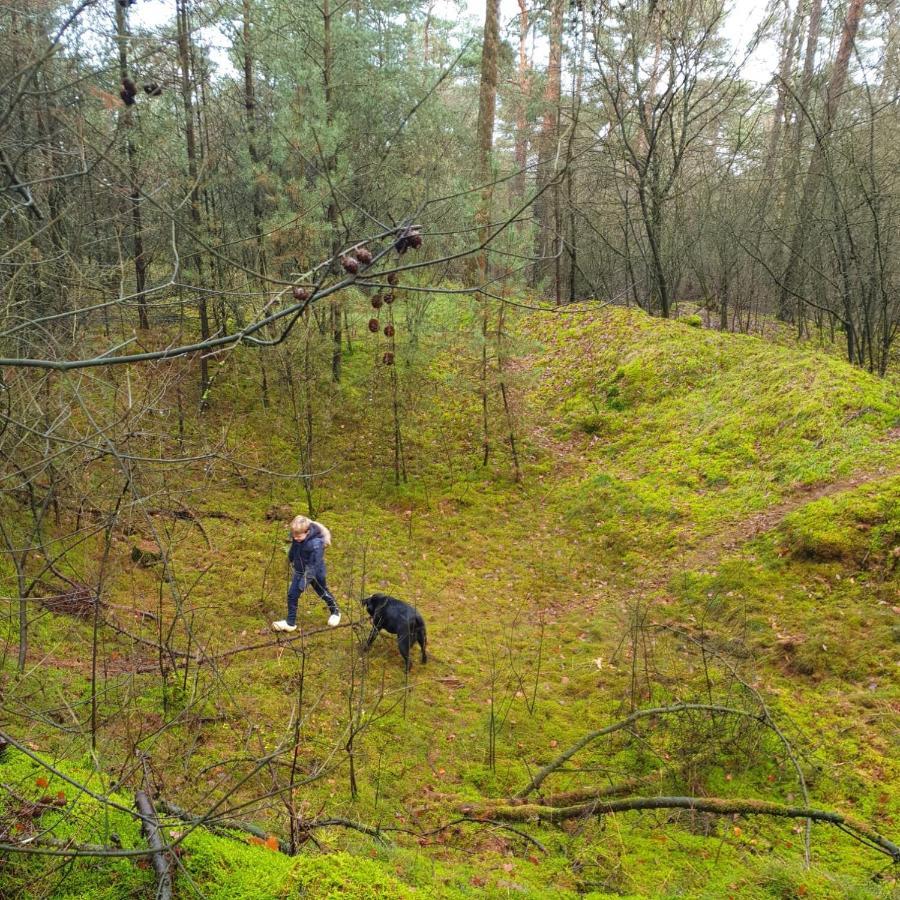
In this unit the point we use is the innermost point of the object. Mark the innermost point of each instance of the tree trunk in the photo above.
(487, 104)
(789, 43)
(184, 58)
(137, 228)
(816, 168)
(546, 204)
(524, 83)
(259, 264)
(337, 334)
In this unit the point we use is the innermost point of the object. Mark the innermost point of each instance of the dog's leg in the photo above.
(403, 642)
(420, 637)
(372, 635)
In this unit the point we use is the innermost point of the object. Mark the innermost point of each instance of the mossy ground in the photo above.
(640, 440)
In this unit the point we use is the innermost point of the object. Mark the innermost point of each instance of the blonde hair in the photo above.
(302, 523)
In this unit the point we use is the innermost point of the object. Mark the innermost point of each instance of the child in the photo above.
(307, 559)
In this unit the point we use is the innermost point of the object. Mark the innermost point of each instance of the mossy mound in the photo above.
(854, 526)
(701, 427)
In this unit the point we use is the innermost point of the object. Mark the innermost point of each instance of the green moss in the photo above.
(341, 875)
(852, 526)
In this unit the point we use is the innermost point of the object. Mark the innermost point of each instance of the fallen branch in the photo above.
(218, 824)
(150, 828)
(343, 823)
(277, 642)
(78, 849)
(211, 659)
(221, 824)
(591, 792)
(653, 712)
(534, 812)
(67, 848)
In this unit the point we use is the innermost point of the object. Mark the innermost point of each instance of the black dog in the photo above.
(396, 617)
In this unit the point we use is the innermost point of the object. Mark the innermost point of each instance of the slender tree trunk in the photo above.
(336, 317)
(426, 33)
(255, 157)
(137, 228)
(252, 149)
(184, 57)
(816, 168)
(545, 207)
(802, 108)
(23, 615)
(504, 392)
(577, 81)
(523, 74)
(487, 103)
(789, 39)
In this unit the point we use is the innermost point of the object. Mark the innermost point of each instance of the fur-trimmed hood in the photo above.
(326, 534)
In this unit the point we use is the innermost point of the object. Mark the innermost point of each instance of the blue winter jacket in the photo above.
(308, 557)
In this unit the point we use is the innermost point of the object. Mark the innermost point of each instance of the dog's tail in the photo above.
(421, 636)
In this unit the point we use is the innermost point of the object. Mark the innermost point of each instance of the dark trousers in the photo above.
(299, 581)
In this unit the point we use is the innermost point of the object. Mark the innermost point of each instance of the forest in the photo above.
(449, 449)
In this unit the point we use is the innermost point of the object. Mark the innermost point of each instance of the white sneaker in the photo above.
(282, 625)
(334, 619)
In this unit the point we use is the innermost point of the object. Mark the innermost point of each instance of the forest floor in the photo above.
(703, 518)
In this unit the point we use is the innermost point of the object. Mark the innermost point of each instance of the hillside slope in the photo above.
(675, 540)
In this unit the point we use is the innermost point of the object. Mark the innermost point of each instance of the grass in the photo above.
(640, 440)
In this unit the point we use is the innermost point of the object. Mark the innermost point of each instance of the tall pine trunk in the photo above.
(184, 59)
(487, 105)
(546, 205)
(790, 282)
(134, 192)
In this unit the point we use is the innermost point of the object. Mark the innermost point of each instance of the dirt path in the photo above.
(709, 552)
